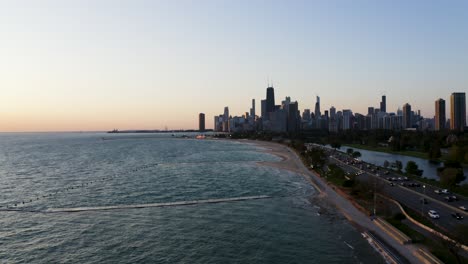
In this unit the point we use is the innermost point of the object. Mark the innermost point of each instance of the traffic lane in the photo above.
(427, 191)
(413, 201)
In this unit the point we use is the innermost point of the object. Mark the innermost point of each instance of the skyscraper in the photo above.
(383, 104)
(270, 100)
(407, 116)
(439, 114)
(201, 122)
(252, 110)
(317, 108)
(264, 114)
(457, 111)
(226, 113)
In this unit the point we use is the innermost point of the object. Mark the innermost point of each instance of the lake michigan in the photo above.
(43, 173)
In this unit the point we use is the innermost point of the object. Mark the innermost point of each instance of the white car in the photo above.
(433, 214)
(462, 207)
(445, 191)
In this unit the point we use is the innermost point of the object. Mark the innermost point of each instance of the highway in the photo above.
(408, 196)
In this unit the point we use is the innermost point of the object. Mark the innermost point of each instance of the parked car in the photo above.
(457, 216)
(453, 197)
(405, 178)
(445, 191)
(438, 191)
(433, 214)
(462, 207)
(386, 172)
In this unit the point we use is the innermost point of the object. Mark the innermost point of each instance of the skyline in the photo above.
(147, 65)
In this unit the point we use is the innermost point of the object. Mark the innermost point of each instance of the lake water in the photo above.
(67, 170)
(378, 158)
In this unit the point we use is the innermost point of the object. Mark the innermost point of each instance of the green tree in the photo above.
(451, 176)
(349, 151)
(434, 152)
(399, 165)
(356, 154)
(412, 168)
(386, 164)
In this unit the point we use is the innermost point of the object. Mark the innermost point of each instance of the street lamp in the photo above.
(423, 199)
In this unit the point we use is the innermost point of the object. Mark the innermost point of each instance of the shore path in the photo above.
(292, 162)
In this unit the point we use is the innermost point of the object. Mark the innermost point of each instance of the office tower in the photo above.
(407, 116)
(383, 104)
(293, 117)
(370, 110)
(201, 122)
(457, 111)
(347, 119)
(252, 110)
(263, 109)
(317, 108)
(226, 113)
(306, 115)
(439, 114)
(332, 112)
(270, 100)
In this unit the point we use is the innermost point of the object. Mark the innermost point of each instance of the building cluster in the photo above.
(285, 117)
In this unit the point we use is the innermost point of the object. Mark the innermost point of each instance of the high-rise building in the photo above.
(370, 110)
(201, 122)
(252, 110)
(317, 108)
(306, 115)
(347, 119)
(263, 109)
(457, 111)
(439, 114)
(270, 100)
(383, 104)
(407, 116)
(226, 113)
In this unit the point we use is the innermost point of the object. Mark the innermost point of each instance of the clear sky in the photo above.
(99, 65)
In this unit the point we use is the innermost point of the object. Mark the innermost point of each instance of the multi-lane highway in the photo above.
(408, 192)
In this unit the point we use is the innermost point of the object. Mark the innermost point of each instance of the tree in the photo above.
(399, 165)
(451, 176)
(412, 168)
(356, 154)
(434, 152)
(386, 164)
(349, 151)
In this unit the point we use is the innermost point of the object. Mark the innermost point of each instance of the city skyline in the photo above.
(97, 66)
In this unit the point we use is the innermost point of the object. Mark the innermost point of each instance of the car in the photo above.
(392, 184)
(462, 207)
(457, 216)
(389, 179)
(445, 191)
(453, 197)
(449, 198)
(400, 178)
(433, 214)
(438, 191)
(405, 178)
(386, 172)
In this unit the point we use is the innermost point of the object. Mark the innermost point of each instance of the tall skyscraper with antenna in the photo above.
(317, 108)
(270, 100)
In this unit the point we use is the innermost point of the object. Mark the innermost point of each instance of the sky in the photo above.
(94, 65)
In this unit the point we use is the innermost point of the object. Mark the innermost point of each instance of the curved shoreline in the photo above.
(292, 162)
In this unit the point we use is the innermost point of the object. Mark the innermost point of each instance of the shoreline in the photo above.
(363, 223)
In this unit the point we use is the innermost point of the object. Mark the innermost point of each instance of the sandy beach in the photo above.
(291, 161)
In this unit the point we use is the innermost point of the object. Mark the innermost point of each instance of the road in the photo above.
(409, 196)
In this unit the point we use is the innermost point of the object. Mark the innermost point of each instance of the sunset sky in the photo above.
(100, 65)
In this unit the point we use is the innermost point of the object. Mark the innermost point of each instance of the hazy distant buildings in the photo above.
(201, 122)
(457, 111)
(439, 122)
